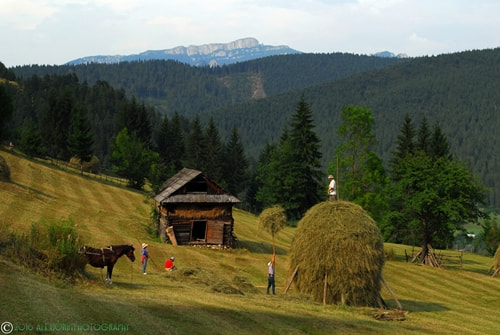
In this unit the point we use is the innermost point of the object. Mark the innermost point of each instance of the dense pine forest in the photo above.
(250, 104)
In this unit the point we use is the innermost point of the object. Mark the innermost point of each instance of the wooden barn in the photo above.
(195, 211)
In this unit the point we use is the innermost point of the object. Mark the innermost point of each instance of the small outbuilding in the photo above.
(194, 210)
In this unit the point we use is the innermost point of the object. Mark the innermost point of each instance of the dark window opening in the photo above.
(199, 231)
(197, 186)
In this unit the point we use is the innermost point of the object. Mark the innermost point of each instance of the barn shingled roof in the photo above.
(184, 176)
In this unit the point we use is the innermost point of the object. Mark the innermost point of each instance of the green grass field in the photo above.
(213, 292)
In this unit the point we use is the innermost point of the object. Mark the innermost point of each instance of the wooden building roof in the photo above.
(191, 186)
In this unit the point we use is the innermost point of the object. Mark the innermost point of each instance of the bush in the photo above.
(51, 248)
(93, 166)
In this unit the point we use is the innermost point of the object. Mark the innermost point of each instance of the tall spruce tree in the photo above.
(55, 120)
(235, 164)
(6, 109)
(306, 154)
(135, 118)
(405, 145)
(289, 175)
(196, 148)
(80, 138)
(214, 153)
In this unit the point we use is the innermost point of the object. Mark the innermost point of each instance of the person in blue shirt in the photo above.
(144, 258)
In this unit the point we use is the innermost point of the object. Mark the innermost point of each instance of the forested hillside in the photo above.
(459, 91)
(173, 86)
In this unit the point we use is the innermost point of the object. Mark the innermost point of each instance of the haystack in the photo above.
(337, 255)
(496, 263)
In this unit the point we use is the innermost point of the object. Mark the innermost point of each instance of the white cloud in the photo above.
(56, 31)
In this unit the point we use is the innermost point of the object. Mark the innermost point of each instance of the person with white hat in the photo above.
(332, 189)
(270, 279)
(144, 259)
(169, 264)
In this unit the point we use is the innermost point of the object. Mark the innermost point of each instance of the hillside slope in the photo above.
(190, 301)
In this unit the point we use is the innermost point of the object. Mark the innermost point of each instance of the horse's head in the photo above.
(130, 253)
(82, 250)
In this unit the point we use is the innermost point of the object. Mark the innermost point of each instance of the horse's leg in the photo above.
(109, 274)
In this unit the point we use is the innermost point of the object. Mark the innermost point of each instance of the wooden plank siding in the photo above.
(196, 209)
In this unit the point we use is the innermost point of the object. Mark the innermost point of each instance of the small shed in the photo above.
(194, 210)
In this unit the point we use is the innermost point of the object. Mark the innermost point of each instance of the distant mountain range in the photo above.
(213, 54)
(208, 54)
(388, 54)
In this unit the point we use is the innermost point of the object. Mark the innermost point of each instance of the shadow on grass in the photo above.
(418, 306)
(33, 190)
(259, 247)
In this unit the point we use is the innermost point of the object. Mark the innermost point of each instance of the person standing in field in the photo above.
(270, 279)
(332, 189)
(144, 258)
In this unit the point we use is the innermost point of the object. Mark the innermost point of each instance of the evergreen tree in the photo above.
(196, 147)
(55, 120)
(269, 184)
(439, 146)
(306, 155)
(6, 109)
(405, 145)
(80, 139)
(424, 137)
(31, 142)
(177, 146)
(235, 164)
(214, 154)
(135, 118)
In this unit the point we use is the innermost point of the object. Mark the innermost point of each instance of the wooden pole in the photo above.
(324, 288)
(291, 279)
(392, 293)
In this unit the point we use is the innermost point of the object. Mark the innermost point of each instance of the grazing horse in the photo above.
(99, 258)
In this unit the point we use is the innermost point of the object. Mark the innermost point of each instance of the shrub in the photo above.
(93, 166)
(50, 247)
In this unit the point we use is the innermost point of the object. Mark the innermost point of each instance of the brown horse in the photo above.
(99, 258)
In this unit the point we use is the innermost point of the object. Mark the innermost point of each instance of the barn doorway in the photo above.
(199, 231)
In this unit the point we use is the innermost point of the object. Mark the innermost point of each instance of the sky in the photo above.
(53, 32)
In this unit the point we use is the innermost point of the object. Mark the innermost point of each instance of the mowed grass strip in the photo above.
(437, 301)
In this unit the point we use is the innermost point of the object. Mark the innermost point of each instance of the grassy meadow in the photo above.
(214, 291)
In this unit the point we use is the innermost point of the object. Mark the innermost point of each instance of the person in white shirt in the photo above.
(332, 189)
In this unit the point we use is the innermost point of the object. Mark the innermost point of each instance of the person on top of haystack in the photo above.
(144, 258)
(169, 264)
(332, 189)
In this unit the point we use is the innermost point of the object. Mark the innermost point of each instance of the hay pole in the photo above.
(324, 288)
(496, 272)
(291, 279)
(392, 293)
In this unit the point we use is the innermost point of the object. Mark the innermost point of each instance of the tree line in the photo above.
(426, 191)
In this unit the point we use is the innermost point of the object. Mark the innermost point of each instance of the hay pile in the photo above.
(340, 240)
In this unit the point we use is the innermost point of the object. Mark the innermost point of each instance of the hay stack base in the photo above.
(337, 255)
(496, 263)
